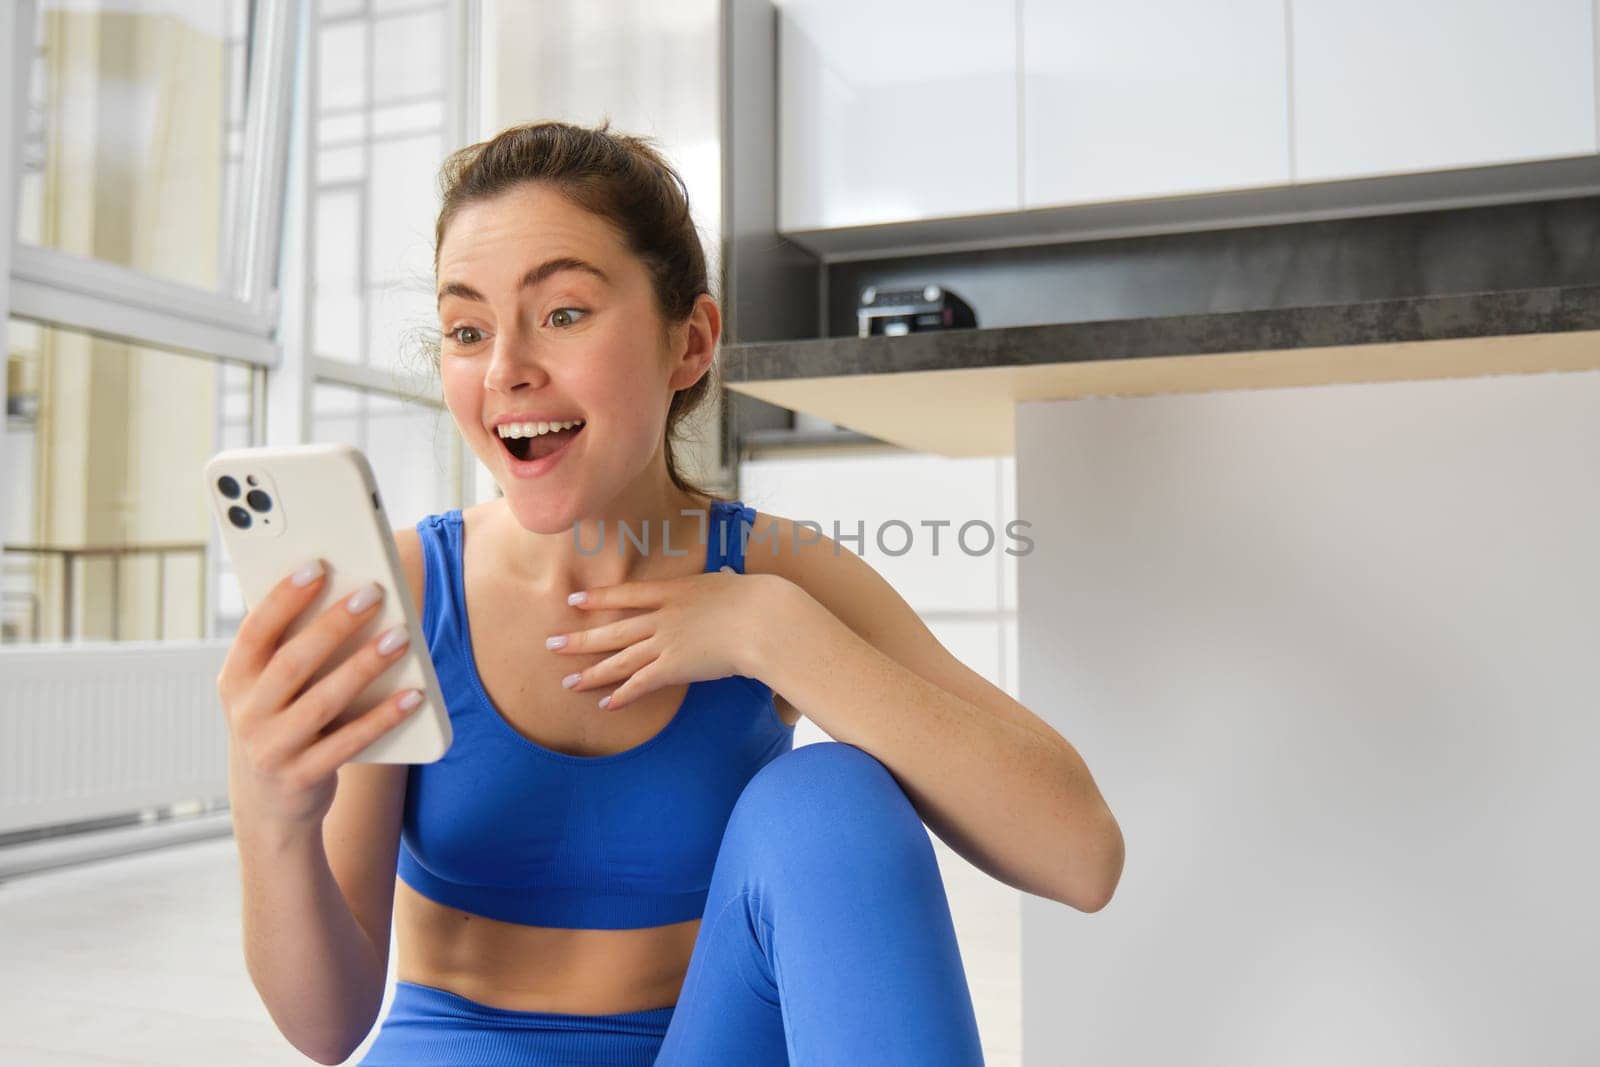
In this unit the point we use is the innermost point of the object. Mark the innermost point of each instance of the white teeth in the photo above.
(534, 429)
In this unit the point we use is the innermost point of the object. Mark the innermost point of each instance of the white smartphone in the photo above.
(278, 508)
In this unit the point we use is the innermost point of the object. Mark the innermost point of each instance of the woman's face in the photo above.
(546, 316)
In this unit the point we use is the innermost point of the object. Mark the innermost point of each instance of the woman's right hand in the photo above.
(282, 772)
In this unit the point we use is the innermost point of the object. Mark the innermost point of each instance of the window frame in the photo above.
(462, 123)
(259, 316)
(237, 321)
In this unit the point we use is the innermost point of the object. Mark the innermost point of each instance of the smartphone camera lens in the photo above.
(258, 500)
(228, 487)
(239, 517)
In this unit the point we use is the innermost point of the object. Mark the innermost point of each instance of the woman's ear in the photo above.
(694, 342)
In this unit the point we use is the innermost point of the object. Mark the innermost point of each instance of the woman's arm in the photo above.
(992, 779)
(318, 973)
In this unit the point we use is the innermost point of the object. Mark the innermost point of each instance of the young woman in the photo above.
(622, 859)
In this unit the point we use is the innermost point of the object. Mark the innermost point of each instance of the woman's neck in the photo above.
(620, 544)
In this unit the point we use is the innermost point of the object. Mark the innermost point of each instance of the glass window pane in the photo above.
(341, 129)
(405, 197)
(408, 55)
(131, 107)
(402, 7)
(337, 236)
(401, 317)
(342, 60)
(426, 116)
(108, 535)
(400, 252)
(408, 445)
(341, 165)
(337, 318)
(373, 277)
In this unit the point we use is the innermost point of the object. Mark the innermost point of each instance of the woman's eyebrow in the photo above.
(530, 279)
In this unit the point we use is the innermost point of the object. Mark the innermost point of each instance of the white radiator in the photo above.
(95, 730)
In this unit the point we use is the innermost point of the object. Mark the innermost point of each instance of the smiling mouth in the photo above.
(526, 449)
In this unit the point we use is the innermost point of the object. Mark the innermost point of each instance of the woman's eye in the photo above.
(466, 335)
(559, 314)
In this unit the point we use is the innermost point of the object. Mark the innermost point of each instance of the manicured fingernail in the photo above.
(559, 641)
(577, 598)
(364, 598)
(307, 574)
(393, 640)
(605, 701)
(412, 698)
(571, 680)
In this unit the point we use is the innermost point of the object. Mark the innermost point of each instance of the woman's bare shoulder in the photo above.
(770, 537)
(476, 515)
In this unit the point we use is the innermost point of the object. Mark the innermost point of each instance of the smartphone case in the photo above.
(321, 502)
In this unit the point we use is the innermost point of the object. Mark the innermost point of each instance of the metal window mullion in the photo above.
(268, 98)
(364, 299)
(16, 28)
(463, 60)
(112, 283)
(388, 138)
(54, 306)
(363, 402)
(367, 13)
(18, 23)
(460, 472)
(309, 105)
(463, 116)
(340, 185)
(410, 388)
(363, 233)
(235, 55)
(346, 110)
(209, 565)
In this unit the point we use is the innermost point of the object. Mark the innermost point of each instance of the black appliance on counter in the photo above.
(892, 312)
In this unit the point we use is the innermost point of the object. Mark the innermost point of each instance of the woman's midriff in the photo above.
(539, 968)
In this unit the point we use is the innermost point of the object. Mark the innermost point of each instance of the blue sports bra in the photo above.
(506, 828)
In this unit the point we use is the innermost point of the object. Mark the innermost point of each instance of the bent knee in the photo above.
(825, 790)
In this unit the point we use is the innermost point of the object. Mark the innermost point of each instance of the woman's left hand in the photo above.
(696, 628)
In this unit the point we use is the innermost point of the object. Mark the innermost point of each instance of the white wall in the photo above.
(1330, 654)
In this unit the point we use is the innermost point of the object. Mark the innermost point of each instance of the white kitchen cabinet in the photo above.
(1152, 98)
(907, 126)
(895, 110)
(1384, 87)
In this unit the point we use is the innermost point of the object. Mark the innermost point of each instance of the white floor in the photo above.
(138, 960)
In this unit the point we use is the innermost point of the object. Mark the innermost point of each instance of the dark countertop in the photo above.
(955, 392)
(1453, 316)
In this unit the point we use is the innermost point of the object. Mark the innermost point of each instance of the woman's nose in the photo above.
(512, 365)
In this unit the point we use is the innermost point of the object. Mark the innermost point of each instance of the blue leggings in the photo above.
(826, 942)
